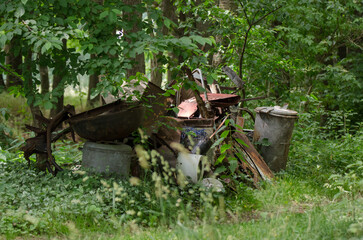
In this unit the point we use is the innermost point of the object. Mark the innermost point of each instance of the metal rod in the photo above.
(207, 104)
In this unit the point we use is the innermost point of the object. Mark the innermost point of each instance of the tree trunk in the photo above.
(140, 58)
(2, 83)
(169, 11)
(35, 110)
(44, 79)
(15, 63)
(58, 85)
(93, 78)
(217, 57)
(92, 83)
(156, 73)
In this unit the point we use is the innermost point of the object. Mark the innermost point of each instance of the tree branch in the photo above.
(11, 72)
(244, 12)
(260, 19)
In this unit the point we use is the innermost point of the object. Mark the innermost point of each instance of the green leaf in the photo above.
(48, 105)
(4, 113)
(233, 164)
(20, 11)
(210, 79)
(220, 169)
(225, 134)
(199, 39)
(112, 51)
(2, 41)
(185, 41)
(103, 14)
(241, 142)
(126, 9)
(216, 143)
(63, 3)
(112, 17)
(46, 47)
(24, 1)
(225, 147)
(57, 45)
(116, 11)
(220, 159)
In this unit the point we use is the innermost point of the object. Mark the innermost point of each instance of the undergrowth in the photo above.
(318, 196)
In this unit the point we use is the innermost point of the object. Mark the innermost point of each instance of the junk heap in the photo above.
(197, 126)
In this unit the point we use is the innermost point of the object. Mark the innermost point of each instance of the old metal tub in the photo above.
(110, 122)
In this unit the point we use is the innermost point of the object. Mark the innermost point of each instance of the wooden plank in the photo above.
(254, 156)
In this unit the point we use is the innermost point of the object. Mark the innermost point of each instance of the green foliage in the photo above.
(37, 203)
(59, 35)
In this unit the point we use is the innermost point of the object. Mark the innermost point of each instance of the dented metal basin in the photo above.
(110, 122)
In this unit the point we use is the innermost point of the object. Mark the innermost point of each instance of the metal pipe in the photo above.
(207, 103)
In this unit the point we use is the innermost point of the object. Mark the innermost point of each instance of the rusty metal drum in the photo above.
(274, 126)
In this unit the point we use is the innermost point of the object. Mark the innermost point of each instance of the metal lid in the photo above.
(277, 111)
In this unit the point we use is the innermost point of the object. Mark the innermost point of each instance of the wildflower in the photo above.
(105, 184)
(134, 181)
(130, 212)
(181, 179)
(115, 185)
(75, 201)
(147, 195)
(179, 147)
(143, 156)
(85, 179)
(80, 172)
(99, 198)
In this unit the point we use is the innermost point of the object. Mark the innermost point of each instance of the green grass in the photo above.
(35, 204)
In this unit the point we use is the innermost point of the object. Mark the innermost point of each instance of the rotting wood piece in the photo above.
(252, 156)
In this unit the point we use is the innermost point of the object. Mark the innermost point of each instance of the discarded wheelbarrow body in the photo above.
(119, 119)
(110, 122)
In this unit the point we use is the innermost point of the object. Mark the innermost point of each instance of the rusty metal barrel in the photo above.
(273, 132)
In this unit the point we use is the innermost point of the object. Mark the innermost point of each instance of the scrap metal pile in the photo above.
(206, 113)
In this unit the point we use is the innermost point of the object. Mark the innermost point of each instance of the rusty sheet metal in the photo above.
(110, 122)
(189, 107)
(197, 122)
(222, 100)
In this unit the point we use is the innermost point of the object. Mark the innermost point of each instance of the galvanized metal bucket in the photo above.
(273, 132)
(107, 158)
